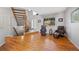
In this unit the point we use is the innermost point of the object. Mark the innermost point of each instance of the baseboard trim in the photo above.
(73, 43)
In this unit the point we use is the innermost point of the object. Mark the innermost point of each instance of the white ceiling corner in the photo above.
(46, 10)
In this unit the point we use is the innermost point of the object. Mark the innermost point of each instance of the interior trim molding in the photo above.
(73, 42)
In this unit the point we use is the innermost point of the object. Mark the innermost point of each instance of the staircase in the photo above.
(21, 18)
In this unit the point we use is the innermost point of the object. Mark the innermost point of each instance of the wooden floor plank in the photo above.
(36, 42)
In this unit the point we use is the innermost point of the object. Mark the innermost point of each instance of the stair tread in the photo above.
(20, 16)
(18, 9)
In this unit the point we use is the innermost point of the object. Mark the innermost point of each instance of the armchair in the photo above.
(43, 30)
(59, 32)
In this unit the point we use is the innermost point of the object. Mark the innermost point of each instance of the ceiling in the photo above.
(46, 10)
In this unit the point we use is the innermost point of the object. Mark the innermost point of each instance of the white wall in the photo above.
(30, 16)
(57, 23)
(36, 26)
(72, 28)
(7, 21)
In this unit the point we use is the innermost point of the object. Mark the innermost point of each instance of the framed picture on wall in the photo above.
(60, 19)
(49, 21)
(75, 16)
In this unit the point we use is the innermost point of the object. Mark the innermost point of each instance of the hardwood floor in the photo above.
(36, 42)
